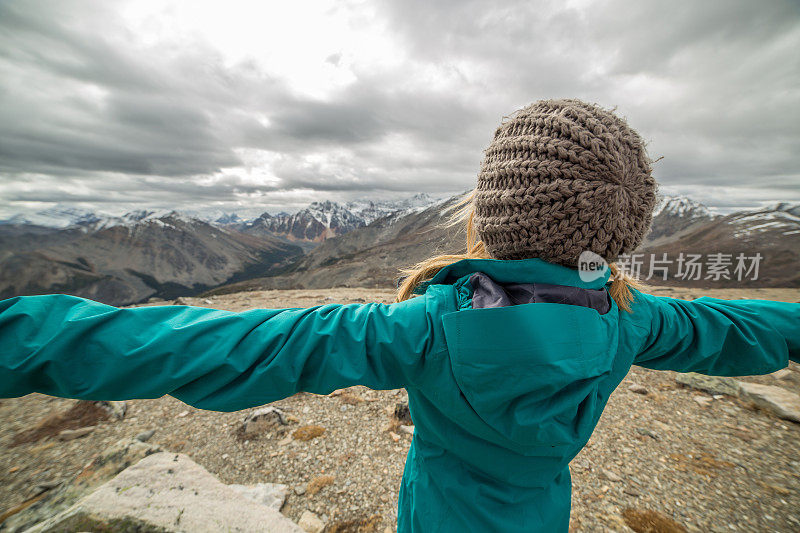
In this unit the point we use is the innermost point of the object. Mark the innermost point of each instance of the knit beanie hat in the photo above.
(562, 177)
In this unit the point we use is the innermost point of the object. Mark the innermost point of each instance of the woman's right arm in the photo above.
(219, 360)
(714, 336)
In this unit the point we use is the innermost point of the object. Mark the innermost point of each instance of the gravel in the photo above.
(715, 465)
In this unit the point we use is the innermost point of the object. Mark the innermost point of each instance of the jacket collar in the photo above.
(533, 270)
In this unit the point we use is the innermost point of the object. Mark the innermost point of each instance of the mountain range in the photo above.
(145, 254)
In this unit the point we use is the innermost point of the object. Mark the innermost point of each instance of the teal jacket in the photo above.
(502, 397)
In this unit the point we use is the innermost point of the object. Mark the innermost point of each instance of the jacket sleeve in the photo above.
(716, 337)
(218, 360)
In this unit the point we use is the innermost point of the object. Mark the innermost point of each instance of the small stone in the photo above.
(13, 469)
(263, 419)
(285, 441)
(207, 301)
(395, 436)
(310, 523)
(632, 492)
(638, 389)
(115, 409)
(71, 434)
(300, 489)
(182, 414)
(46, 485)
(611, 476)
(703, 401)
(145, 436)
(225, 455)
(180, 301)
(646, 432)
(407, 429)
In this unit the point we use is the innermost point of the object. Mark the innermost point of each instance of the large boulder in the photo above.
(101, 469)
(778, 400)
(712, 384)
(167, 492)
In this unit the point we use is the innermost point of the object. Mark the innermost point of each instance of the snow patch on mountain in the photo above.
(782, 217)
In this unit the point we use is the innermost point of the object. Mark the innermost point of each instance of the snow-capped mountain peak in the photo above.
(681, 206)
(55, 217)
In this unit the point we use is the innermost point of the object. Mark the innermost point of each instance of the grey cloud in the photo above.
(155, 115)
(710, 85)
(722, 110)
(702, 32)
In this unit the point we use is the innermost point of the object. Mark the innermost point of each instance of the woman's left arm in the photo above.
(72, 347)
(714, 336)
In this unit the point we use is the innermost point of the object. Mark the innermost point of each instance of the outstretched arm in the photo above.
(218, 360)
(716, 337)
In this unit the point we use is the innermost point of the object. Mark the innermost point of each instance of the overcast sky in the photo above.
(243, 107)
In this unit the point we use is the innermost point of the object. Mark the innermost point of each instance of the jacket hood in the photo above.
(531, 374)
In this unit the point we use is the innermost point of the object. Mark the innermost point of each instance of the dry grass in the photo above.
(648, 521)
(80, 415)
(319, 483)
(308, 432)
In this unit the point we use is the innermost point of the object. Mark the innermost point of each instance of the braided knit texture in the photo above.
(561, 177)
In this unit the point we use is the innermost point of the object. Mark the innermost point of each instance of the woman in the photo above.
(509, 352)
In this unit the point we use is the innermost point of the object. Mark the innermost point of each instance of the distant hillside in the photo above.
(369, 256)
(773, 232)
(137, 257)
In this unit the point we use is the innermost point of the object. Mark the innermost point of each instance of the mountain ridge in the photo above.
(164, 254)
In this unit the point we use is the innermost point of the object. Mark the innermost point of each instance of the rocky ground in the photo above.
(707, 462)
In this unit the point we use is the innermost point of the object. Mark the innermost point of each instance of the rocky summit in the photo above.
(671, 452)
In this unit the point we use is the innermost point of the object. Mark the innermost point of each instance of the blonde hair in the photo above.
(464, 213)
